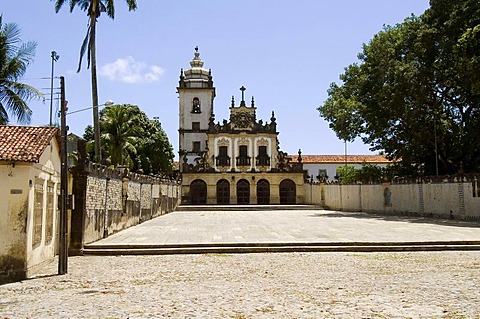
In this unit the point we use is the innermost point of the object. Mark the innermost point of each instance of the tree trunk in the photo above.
(93, 60)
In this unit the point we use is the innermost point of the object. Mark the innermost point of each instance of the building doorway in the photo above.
(263, 192)
(288, 192)
(243, 192)
(223, 192)
(198, 192)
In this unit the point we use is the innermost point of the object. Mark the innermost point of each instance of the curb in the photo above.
(242, 248)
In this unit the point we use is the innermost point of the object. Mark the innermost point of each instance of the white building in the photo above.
(29, 188)
(325, 166)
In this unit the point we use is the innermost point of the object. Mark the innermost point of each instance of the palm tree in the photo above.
(119, 133)
(94, 9)
(14, 59)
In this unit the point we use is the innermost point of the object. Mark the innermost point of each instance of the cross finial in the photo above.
(196, 49)
(243, 93)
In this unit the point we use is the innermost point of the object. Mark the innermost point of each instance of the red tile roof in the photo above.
(25, 143)
(325, 159)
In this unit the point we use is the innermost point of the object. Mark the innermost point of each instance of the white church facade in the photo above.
(237, 161)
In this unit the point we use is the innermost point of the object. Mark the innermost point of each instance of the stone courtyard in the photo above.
(442, 284)
(271, 285)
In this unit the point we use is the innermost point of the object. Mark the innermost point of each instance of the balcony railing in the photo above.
(222, 160)
(262, 161)
(243, 161)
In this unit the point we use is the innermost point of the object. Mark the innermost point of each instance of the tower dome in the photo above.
(197, 76)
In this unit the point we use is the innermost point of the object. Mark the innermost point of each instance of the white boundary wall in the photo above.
(446, 200)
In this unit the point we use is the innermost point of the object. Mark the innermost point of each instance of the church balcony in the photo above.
(222, 161)
(243, 161)
(262, 161)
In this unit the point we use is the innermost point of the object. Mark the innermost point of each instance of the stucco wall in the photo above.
(445, 200)
(20, 254)
(13, 222)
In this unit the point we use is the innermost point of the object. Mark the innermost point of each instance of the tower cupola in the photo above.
(197, 76)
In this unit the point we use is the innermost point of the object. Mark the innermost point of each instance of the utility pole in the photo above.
(55, 58)
(63, 252)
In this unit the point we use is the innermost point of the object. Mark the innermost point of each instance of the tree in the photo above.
(415, 92)
(15, 57)
(346, 174)
(130, 138)
(119, 134)
(94, 9)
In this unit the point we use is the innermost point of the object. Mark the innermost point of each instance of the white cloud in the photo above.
(128, 70)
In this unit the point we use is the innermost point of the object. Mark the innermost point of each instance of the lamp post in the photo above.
(55, 58)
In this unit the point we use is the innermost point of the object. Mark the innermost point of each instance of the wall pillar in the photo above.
(79, 191)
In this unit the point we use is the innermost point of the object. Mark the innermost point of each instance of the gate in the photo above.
(198, 192)
(263, 192)
(223, 192)
(288, 192)
(243, 192)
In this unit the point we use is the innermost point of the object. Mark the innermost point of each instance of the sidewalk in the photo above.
(273, 228)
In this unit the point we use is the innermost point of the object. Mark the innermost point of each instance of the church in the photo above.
(236, 161)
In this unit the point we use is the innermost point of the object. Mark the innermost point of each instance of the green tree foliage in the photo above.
(346, 174)
(415, 92)
(130, 138)
(119, 134)
(15, 57)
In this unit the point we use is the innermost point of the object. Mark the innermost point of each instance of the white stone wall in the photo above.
(429, 199)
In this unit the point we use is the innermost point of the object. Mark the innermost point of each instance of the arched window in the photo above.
(196, 107)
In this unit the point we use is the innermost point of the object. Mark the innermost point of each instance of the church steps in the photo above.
(230, 248)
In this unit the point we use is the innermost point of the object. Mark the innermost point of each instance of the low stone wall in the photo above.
(457, 198)
(107, 201)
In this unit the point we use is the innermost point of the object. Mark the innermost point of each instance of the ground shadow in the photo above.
(402, 218)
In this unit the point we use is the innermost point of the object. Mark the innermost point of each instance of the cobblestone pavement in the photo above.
(286, 285)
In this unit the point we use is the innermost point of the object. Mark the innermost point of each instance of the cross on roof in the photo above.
(243, 92)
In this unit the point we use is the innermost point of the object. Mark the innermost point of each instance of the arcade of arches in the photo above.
(242, 191)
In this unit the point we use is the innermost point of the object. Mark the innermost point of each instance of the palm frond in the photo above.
(83, 49)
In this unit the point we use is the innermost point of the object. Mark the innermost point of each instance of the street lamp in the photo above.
(55, 58)
(106, 104)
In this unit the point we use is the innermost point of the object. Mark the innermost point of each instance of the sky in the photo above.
(286, 53)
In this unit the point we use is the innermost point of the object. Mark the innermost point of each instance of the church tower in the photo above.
(196, 94)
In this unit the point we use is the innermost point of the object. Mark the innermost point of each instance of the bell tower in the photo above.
(196, 94)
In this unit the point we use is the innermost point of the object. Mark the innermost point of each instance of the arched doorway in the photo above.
(223, 192)
(288, 192)
(243, 192)
(198, 192)
(263, 192)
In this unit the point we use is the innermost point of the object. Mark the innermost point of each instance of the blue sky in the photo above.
(286, 53)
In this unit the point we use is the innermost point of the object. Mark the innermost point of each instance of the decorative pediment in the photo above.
(243, 141)
(223, 142)
(262, 142)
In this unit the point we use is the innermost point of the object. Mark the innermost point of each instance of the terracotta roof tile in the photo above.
(311, 159)
(25, 143)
